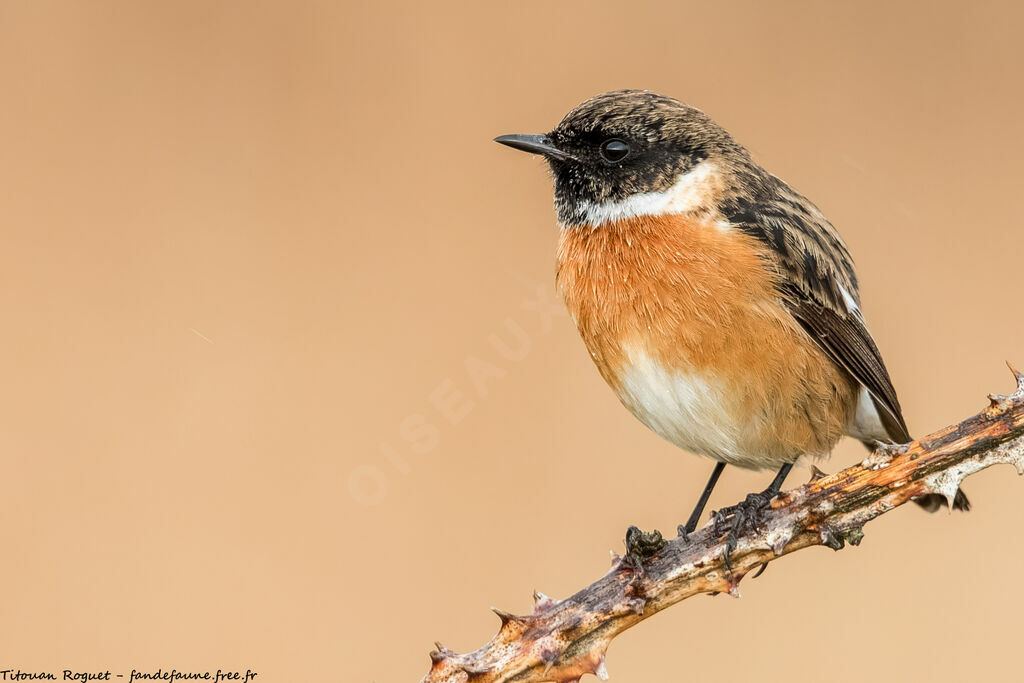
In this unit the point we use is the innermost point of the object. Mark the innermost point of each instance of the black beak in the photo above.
(534, 144)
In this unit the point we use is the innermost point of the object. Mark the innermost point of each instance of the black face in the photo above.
(623, 143)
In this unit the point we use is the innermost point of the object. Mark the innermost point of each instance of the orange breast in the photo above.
(682, 318)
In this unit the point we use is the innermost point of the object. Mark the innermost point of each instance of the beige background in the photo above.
(253, 254)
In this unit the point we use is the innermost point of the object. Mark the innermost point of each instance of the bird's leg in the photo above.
(691, 524)
(735, 520)
(776, 485)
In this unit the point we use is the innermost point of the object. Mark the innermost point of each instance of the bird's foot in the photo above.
(736, 520)
(642, 545)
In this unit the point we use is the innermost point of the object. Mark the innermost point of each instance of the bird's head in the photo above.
(629, 153)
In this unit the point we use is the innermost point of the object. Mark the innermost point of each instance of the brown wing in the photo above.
(819, 286)
(847, 342)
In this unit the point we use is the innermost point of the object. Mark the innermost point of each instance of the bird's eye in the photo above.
(614, 150)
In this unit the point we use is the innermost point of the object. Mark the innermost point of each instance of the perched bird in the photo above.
(718, 303)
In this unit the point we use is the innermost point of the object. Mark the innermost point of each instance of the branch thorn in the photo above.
(475, 671)
(504, 616)
(542, 603)
(1018, 375)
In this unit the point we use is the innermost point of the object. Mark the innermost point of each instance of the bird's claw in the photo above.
(642, 545)
(736, 520)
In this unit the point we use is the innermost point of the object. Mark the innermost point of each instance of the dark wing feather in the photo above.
(847, 342)
(819, 287)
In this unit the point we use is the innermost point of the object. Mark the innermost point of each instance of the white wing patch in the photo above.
(851, 303)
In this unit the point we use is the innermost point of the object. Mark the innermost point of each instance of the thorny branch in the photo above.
(561, 640)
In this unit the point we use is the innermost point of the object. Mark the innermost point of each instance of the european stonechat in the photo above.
(718, 303)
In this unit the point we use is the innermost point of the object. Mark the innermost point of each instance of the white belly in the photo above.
(686, 409)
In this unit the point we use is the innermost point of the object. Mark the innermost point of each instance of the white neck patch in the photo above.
(687, 194)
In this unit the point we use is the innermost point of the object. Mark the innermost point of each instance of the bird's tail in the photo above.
(934, 501)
